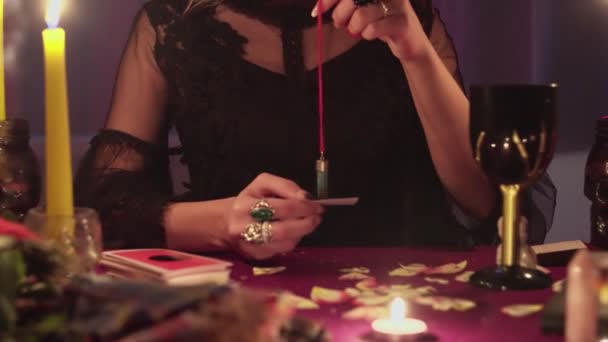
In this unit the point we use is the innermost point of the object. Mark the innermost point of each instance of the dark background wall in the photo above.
(515, 41)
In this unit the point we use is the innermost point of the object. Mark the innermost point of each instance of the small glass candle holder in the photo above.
(397, 327)
(78, 237)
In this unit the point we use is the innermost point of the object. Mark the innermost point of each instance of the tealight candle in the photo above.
(397, 325)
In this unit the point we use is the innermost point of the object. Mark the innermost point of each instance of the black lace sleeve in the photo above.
(127, 181)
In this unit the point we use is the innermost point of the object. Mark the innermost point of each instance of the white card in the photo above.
(338, 201)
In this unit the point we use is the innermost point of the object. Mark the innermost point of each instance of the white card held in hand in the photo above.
(338, 201)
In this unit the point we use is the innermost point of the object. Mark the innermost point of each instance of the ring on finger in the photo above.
(257, 233)
(262, 211)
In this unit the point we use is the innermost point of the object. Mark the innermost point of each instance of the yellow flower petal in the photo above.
(325, 295)
(437, 280)
(259, 271)
(450, 268)
(521, 310)
(464, 277)
(407, 270)
(355, 270)
(354, 276)
(369, 313)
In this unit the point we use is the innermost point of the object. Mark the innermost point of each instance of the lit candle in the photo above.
(59, 196)
(2, 89)
(397, 325)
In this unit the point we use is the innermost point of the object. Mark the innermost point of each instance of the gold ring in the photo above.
(262, 211)
(257, 233)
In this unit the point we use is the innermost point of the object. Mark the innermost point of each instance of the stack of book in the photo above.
(165, 266)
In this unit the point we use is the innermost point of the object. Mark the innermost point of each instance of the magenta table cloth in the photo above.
(308, 267)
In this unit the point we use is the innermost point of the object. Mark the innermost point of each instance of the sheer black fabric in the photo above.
(236, 119)
(127, 181)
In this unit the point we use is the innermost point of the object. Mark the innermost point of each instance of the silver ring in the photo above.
(257, 233)
(266, 231)
(385, 9)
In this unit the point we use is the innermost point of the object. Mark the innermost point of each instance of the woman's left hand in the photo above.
(393, 21)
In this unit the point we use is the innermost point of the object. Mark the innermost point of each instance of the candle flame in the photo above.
(53, 13)
(398, 309)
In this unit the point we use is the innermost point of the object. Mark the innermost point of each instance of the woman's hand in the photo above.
(393, 21)
(294, 216)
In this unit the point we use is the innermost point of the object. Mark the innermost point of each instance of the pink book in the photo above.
(163, 263)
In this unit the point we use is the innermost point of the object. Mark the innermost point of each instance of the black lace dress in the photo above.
(236, 119)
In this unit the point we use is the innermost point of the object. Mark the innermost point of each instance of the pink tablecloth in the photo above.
(320, 266)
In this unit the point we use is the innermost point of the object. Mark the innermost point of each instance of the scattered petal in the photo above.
(409, 293)
(298, 302)
(406, 293)
(355, 270)
(354, 276)
(558, 286)
(450, 268)
(521, 310)
(366, 284)
(464, 277)
(324, 295)
(373, 300)
(382, 289)
(352, 292)
(259, 271)
(369, 313)
(408, 270)
(425, 290)
(437, 280)
(446, 303)
(400, 287)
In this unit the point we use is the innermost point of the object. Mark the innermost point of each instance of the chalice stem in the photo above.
(510, 218)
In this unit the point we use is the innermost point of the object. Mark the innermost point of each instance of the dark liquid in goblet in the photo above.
(513, 131)
(513, 135)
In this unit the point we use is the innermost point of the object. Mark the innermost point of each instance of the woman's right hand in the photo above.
(294, 216)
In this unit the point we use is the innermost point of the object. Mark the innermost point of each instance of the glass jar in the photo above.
(77, 237)
(20, 179)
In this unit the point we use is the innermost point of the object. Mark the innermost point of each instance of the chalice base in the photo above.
(505, 278)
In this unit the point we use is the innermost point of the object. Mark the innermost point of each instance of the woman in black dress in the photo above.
(237, 80)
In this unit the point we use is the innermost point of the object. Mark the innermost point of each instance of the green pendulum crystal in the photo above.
(322, 177)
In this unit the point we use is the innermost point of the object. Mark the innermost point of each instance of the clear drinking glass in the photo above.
(78, 237)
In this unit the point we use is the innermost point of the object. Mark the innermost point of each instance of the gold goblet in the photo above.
(513, 135)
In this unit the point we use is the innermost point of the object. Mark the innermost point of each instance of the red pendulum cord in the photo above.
(322, 165)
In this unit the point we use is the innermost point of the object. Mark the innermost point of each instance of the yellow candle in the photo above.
(2, 90)
(59, 195)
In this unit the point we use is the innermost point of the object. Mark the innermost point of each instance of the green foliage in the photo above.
(30, 305)
(8, 316)
(12, 273)
(9, 215)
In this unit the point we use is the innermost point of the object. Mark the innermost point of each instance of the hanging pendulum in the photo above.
(322, 177)
(322, 165)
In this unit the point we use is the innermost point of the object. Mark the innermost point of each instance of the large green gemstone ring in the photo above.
(262, 211)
